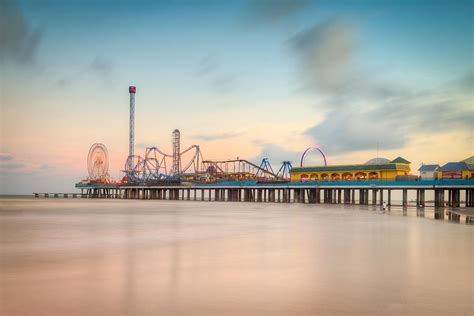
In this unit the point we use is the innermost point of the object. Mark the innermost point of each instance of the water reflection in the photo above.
(435, 213)
(160, 257)
(429, 212)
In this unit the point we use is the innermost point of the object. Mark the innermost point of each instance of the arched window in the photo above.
(324, 177)
(346, 176)
(361, 176)
(304, 178)
(373, 176)
(335, 177)
(313, 177)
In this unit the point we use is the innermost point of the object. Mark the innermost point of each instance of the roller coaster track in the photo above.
(242, 166)
(154, 166)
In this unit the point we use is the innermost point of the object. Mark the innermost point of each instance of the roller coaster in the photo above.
(244, 170)
(154, 167)
(159, 167)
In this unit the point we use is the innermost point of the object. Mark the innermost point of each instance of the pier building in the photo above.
(377, 169)
(457, 171)
(429, 172)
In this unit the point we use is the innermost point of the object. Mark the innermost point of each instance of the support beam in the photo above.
(404, 197)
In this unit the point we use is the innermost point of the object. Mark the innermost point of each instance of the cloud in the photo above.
(64, 82)
(465, 83)
(14, 166)
(46, 167)
(5, 157)
(325, 52)
(11, 166)
(218, 136)
(224, 83)
(18, 41)
(276, 155)
(387, 117)
(354, 130)
(363, 113)
(261, 12)
(102, 65)
(207, 65)
(219, 82)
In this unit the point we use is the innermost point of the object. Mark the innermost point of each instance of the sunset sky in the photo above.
(240, 78)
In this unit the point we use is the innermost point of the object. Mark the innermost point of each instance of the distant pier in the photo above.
(58, 195)
(446, 193)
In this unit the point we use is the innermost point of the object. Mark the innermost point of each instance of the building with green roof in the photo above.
(375, 169)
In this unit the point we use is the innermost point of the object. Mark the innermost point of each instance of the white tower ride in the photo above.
(132, 90)
(176, 169)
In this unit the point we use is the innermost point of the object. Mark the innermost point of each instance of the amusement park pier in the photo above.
(185, 175)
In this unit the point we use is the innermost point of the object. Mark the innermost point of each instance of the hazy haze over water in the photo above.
(114, 257)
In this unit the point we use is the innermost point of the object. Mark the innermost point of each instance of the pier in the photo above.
(446, 193)
(58, 195)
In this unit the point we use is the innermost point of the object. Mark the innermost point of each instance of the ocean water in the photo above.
(126, 257)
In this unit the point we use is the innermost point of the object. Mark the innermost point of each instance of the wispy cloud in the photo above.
(18, 40)
(363, 113)
(64, 82)
(5, 157)
(220, 81)
(260, 12)
(276, 155)
(46, 167)
(102, 66)
(465, 83)
(207, 65)
(324, 54)
(11, 165)
(387, 117)
(224, 83)
(217, 136)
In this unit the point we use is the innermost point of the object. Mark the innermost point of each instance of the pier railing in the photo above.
(445, 193)
(59, 195)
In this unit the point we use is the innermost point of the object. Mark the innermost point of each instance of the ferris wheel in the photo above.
(98, 162)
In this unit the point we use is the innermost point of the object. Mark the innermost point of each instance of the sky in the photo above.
(248, 79)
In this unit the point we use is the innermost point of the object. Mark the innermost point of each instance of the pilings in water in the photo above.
(454, 199)
(441, 197)
(263, 195)
(58, 195)
(404, 197)
(469, 197)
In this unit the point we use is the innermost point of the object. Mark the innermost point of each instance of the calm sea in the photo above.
(125, 257)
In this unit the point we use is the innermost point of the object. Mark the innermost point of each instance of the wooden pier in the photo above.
(58, 195)
(446, 193)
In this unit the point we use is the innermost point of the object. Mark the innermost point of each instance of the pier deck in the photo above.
(446, 193)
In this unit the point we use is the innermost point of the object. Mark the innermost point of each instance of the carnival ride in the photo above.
(153, 168)
(98, 164)
(284, 171)
(312, 148)
(158, 167)
(237, 170)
